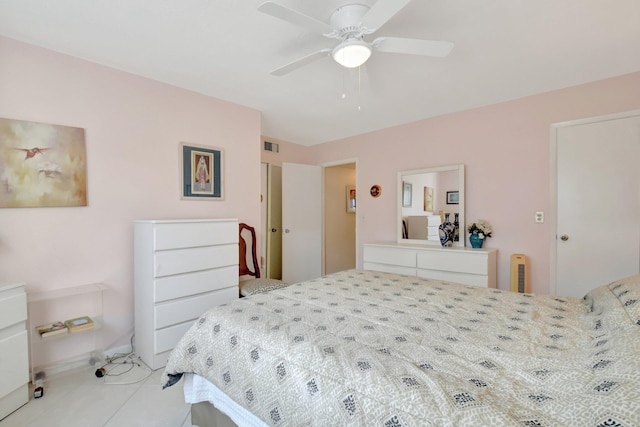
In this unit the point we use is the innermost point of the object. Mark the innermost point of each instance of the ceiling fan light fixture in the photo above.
(352, 53)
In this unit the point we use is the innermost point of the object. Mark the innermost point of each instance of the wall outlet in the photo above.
(539, 217)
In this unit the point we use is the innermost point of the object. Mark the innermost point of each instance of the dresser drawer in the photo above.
(393, 256)
(451, 276)
(193, 234)
(388, 268)
(14, 360)
(13, 306)
(167, 338)
(457, 261)
(173, 312)
(180, 261)
(182, 285)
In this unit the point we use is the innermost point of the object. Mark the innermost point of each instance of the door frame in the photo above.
(553, 181)
(353, 160)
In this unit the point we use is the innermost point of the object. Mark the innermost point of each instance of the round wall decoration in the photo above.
(375, 191)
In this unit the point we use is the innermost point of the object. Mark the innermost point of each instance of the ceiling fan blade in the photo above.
(295, 17)
(381, 12)
(413, 46)
(301, 62)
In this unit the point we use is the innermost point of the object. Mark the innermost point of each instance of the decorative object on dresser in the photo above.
(181, 269)
(478, 231)
(447, 232)
(247, 257)
(456, 225)
(14, 349)
(202, 172)
(475, 267)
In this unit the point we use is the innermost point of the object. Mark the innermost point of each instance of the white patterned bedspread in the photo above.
(376, 349)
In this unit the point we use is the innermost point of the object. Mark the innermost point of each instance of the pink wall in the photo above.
(134, 126)
(288, 153)
(506, 150)
(133, 130)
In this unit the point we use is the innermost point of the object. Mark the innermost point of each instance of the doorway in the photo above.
(307, 240)
(597, 202)
(340, 204)
(271, 219)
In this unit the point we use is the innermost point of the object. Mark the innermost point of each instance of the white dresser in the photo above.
(14, 349)
(469, 266)
(182, 268)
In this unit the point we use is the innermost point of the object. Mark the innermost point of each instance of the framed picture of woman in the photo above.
(202, 172)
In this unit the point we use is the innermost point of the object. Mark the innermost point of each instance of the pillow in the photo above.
(627, 291)
(614, 305)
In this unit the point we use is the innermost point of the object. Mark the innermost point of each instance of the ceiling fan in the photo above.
(350, 24)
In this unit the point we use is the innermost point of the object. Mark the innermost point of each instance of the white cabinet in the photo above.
(423, 227)
(182, 268)
(14, 349)
(469, 266)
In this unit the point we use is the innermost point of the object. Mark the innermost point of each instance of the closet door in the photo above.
(598, 203)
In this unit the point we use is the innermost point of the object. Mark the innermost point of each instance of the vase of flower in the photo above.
(478, 232)
(476, 240)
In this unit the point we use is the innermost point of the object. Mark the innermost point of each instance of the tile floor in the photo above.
(80, 399)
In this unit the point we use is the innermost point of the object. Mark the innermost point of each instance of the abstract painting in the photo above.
(41, 165)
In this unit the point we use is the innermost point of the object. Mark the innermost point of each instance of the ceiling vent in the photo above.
(271, 146)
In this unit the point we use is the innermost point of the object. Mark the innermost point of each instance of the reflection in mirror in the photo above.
(436, 196)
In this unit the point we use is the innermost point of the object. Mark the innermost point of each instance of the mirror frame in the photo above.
(461, 206)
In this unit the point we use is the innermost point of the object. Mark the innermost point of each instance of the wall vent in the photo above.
(271, 146)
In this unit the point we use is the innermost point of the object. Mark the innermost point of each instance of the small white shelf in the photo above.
(67, 350)
(66, 292)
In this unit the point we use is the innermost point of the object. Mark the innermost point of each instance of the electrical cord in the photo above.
(116, 361)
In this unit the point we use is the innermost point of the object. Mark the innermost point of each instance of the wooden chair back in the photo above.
(247, 251)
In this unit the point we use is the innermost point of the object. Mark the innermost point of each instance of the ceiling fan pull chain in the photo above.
(344, 94)
(359, 86)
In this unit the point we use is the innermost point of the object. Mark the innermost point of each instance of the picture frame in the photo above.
(201, 172)
(453, 197)
(42, 165)
(407, 190)
(428, 199)
(351, 199)
(375, 191)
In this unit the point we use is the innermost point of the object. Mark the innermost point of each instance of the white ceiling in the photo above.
(504, 49)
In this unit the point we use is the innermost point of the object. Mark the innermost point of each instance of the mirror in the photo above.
(427, 198)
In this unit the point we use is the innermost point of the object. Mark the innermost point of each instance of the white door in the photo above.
(301, 222)
(598, 204)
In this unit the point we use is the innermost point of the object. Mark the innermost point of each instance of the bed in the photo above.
(365, 348)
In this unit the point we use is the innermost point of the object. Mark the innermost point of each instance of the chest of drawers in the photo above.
(469, 266)
(14, 349)
(182, 268)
